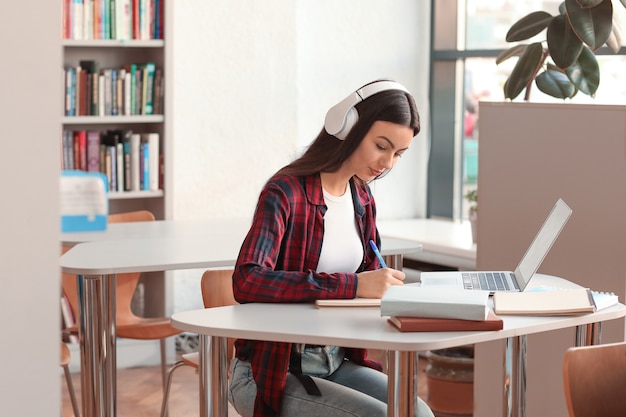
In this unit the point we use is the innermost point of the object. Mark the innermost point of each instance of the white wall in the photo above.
(30, 110)
(253, 81)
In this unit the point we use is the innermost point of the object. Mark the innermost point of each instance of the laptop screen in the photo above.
(542, 242)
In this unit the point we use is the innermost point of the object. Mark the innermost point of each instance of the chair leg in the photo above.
(168, 384)
(70, 388)
(163, 364)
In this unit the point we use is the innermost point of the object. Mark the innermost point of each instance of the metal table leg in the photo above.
(213, 376)
(402, 384)
(589, 334)
(515, 377)
(96, 333)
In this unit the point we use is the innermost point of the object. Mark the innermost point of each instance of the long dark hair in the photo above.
(327, 153)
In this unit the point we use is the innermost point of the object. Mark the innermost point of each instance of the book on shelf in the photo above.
(113, 19)
(148, 87)
(153, 160)
(558, 302)
(135, 162)
(424, 324)
(433, 302)
(129, 89)
(93, 151)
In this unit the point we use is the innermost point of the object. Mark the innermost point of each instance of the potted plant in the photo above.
(450, 378)
(472, 198)
(572, 38)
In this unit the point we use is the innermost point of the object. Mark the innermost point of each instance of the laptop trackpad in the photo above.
(449, 281)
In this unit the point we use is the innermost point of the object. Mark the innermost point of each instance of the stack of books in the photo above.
(416, 309)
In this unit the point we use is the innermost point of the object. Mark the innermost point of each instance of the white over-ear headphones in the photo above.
(343, 116)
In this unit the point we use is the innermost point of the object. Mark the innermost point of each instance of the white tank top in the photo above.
(342, 250)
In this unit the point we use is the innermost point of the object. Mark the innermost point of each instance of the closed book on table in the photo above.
(567, 302)
(349, 302)
(421, 324)
(434, 302)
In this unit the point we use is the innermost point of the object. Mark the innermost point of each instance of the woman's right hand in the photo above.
(373, 284)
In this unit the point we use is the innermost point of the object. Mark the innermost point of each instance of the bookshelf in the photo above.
(122, 35)
(118, 41)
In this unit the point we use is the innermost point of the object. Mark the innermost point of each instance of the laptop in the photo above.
(506, 280)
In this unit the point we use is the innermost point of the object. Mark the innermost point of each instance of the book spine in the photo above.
(135, 19)
(133, 88)
(113, 167)
(88, 19)
(145, 165)
(135, 161)
(154, 160)
(93, 151)
(127, 93)
(80, 154)
(77, 19)
(107, 92)
(114, 97)
(68, 154)
(101, 95)
(126, 137)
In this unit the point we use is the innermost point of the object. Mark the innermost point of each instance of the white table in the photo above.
(146, 247)
(361, 328)
(444, 242)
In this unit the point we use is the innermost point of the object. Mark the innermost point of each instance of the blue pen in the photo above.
(378, 255)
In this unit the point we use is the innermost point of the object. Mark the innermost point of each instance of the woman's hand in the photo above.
(373, 284)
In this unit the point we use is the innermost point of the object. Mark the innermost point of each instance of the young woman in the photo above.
(309, 240)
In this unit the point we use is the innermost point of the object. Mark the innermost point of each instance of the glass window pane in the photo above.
(488, 21)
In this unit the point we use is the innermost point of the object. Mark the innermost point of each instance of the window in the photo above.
(467, 36)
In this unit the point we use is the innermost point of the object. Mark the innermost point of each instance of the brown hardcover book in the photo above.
(421, 324)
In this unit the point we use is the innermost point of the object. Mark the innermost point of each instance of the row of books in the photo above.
(133, 89)
(113, 19)
(131, 161)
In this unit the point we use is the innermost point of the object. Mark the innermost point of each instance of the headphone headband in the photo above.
(343, 116)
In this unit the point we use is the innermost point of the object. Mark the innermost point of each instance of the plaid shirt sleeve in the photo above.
(277, 263)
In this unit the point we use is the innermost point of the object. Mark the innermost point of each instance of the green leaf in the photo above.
(524, 70)
(528, 26)
(555, 84)
(592, 25)
(585, 73)
(516, 50)
(563, 44)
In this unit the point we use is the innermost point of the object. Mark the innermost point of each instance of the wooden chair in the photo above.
(65, 364)
(217, 291)
(129, 325)
(594, 378)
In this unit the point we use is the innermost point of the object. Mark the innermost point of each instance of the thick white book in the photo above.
(153, 160)
(435, 302)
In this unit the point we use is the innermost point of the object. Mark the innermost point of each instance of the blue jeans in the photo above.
(351, 391)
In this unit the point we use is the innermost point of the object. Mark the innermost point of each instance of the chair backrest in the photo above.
(594, 379)
(217, 291)
(126, 284)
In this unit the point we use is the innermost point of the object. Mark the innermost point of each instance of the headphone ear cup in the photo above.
(351, 117)
(337, 118)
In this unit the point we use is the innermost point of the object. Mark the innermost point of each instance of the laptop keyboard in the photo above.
(492, 281)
